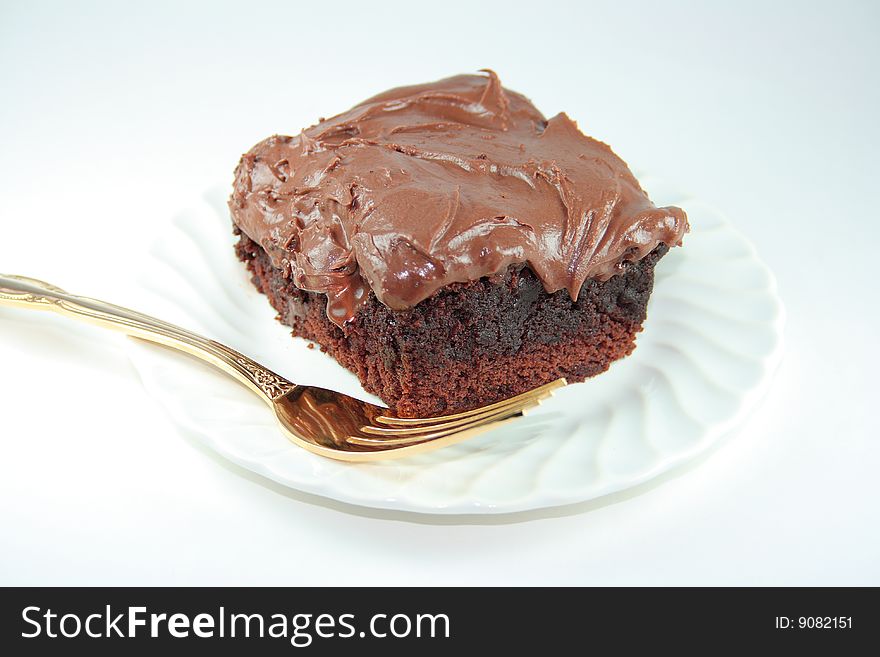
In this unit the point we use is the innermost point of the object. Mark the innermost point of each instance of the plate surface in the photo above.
(710, 344)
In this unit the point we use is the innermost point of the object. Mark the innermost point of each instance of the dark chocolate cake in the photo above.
(450, 245)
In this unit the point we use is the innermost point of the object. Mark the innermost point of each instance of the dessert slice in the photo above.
(450, 245)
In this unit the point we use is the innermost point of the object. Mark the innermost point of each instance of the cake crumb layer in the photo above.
(473, 343)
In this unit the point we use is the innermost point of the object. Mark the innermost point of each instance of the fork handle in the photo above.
(32, 293)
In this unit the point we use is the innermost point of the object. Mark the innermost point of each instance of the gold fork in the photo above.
(322, 421)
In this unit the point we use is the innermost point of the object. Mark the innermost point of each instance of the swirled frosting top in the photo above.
(445, 182)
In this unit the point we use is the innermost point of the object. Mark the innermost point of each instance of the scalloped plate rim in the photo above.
(323, 487)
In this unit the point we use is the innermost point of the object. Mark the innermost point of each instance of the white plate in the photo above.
(710, 344)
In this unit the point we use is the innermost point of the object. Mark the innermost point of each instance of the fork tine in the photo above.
(513, 405)
(397, 440)
(429, 421)
(430, 434)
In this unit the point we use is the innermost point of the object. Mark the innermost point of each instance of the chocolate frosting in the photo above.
(432, 184)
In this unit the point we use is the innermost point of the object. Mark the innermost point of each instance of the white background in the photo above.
(113, 117)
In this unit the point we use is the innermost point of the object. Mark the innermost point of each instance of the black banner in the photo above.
(398, 621)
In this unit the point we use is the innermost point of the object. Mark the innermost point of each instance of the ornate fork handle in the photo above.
(32, 293)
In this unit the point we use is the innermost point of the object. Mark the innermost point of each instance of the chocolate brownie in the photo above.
(450, 245)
